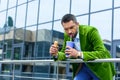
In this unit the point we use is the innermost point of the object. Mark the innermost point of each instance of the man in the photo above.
(90, 47)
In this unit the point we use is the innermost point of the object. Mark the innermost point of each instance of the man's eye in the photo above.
(65, 29)
(71, 27)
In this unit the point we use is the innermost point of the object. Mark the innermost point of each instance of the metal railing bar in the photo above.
(6, 75)
(67, 61)
(25, 77)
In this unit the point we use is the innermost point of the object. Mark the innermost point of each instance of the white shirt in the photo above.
(77, 43)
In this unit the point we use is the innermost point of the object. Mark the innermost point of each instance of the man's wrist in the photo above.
(79, 55)
(55, 57)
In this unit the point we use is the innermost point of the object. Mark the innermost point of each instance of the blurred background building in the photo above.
(29, 27)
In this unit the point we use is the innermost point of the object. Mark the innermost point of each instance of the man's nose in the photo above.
(69, 31)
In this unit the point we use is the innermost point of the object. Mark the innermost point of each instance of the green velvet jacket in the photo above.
(93, 48)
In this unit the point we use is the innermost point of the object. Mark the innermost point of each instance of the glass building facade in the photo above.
(29, 27)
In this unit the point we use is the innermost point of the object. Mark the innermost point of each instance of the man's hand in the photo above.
(53, 50)
(71, 52)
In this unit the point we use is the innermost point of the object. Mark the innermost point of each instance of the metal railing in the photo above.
(56, 63)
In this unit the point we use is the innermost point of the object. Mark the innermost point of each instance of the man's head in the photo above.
(70, 24)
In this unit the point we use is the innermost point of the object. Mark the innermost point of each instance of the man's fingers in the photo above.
(68, 47)
(53, 50)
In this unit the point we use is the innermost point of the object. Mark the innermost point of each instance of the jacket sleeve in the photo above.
(61, 53)
(98, 49)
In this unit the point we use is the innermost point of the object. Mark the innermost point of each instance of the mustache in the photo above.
(71, 35)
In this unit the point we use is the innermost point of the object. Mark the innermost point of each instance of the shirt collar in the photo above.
(77, 36)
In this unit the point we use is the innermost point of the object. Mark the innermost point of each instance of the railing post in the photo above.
(57, 76)
(13, 75)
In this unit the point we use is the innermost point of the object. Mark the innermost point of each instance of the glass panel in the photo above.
(9, 43)
(2, 21)
(9, 33)
(17, 68)
(45, 26)
(102, 24)
(58, 26)
(6, 68)
(80, 7)
(33, 30)
(12, 3)
(8, 54)
(42, 49)
(11, 13)
(42, 70)
(118, 51)
(17, 53)
(100, 4)
(7, 48)
(116, 24)
(30, 34)
(1, 37)
(1, 49)
(43, 40)
(61, 9)
(29, 50)
(29, 42)
(32, 12)
(83, 20)
(44, 33)
(117, 3)
(19, 35)
(1, 53)
(20, 19)
(4, 49)
(21, 1)
(3, 4)
(9, 28)
(46, 10)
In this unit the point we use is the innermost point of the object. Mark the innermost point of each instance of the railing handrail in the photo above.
(67, 61)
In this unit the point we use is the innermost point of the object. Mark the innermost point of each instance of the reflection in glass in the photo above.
(19, 35)
(20, 18)
(17, 53)
(2, 19)
(3, 4)
(102, 24)
(83, 7)
(12, 3)
(61, 9)
(32, 13)
(83, 20)
(11, 13)
(116, 34)
(46, 11)
(102, 5)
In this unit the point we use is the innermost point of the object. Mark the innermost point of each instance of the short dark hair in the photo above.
(68, 17)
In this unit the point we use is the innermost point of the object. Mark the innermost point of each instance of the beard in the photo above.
(75, 35)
